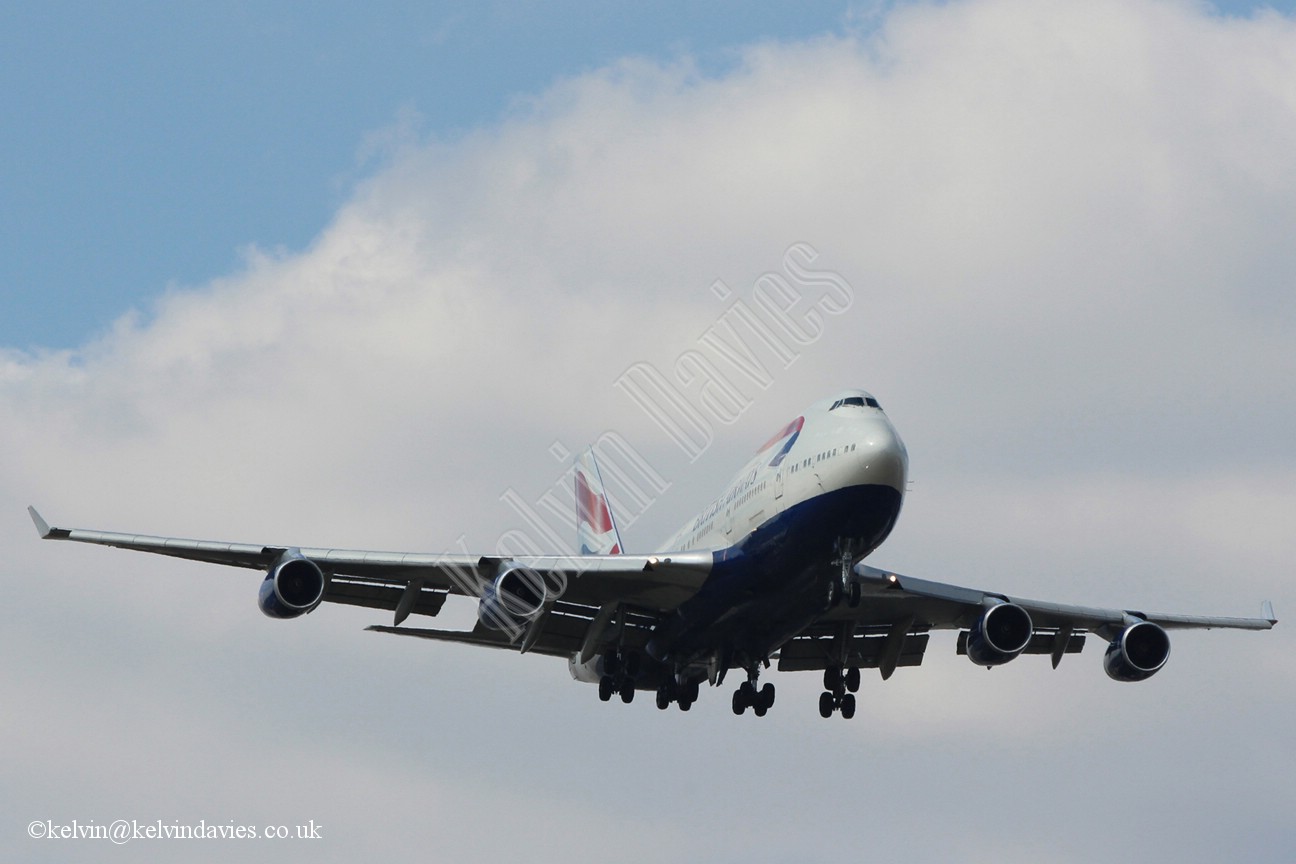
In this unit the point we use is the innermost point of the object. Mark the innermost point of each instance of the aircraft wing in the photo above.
(889, 627)
(942, 605)
(418, 583)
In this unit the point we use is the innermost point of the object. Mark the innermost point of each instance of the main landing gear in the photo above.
(748, 696)
(683, 694)
(835, 696)
(623, 669)
(620, 671)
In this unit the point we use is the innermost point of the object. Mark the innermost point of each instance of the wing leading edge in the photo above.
(381, 579)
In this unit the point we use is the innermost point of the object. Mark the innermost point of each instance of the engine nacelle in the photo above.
(999, 635)
(589, 672)
(1137, 653)
(515, 597)
(292, 587)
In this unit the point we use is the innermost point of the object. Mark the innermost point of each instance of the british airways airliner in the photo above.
(771, 571)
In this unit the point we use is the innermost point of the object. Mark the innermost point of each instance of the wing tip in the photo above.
(1268, 611)
(42, 527)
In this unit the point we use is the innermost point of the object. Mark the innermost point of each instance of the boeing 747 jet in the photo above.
(771, 572)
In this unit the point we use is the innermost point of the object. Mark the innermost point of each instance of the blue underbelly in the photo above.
(777, 579)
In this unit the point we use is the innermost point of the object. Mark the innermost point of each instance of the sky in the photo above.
(361, 280)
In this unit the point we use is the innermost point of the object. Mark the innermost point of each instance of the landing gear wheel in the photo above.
(826, 704)
(685, 704)
(853, 679)
(748, 696)
(663, 698)
(606, 686)
(848, 706)
(853, 595)
(834, 593)
(627, 692)
(832, 678)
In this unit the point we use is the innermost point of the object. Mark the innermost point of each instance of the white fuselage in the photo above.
(838, 443)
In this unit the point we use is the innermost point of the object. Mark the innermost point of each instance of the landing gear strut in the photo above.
(848, 589)
(835, 696)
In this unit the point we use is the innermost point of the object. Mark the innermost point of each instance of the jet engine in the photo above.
(1137, 653)
(517, 595)
(589, 672)
(999, 635)
(292, 587)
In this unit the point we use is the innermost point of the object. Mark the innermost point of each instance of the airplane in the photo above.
(771, 571)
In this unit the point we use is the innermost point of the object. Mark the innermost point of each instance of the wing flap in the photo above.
(561, 636)
(565, 630)
(1040, 643)
(353, 592)
(810, 652)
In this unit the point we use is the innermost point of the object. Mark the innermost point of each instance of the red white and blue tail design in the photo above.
(782, 441)
(596, 533)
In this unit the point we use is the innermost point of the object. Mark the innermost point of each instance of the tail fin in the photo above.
(596, 533)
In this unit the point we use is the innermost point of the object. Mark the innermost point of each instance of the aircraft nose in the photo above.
(882, 458)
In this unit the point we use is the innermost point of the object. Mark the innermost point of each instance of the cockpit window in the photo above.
(856, 401)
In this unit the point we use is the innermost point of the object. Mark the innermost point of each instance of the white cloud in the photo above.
(1068, 233)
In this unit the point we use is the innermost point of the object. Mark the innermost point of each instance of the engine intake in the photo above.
(1137, 653)
(516, 596)
(999, 635)
(292, 587)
